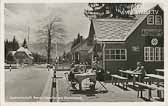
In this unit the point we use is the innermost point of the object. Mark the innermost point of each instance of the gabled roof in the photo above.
(26, 51)
(79, 47)
(115, 29)
(22, 49)
(12, 52)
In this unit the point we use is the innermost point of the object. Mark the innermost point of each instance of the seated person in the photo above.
(140, 69)
(71, 77)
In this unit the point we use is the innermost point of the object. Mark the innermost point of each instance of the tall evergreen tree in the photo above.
(6, 48)
(24, 43)
(10, 46)
(110, 10)
(15, 44)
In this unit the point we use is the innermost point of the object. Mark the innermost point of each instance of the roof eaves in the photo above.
(78, 45)
(104, 40)
(139, 21)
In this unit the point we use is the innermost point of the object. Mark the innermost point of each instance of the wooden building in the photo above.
(10, 59)
(23, 56)
(121, 43)
(80, 52)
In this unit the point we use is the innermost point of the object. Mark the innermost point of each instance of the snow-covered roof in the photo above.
(22, 49)
(25, 50)
(12, 52)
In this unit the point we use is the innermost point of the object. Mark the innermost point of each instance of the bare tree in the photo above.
(51, 30)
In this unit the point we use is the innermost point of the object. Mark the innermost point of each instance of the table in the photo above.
(80, 77)
(159, 70)
(129, 72)
(158, 78)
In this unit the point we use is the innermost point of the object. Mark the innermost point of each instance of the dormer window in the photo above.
(150, 20)
(154, 20)
(158, 20)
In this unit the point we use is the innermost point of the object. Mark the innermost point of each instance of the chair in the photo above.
(68, 82)
(101, 77)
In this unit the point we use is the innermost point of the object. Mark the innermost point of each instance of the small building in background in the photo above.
(23, 56)
(80, 52)
(10, 59)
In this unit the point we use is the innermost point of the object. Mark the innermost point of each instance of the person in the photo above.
(140, 69)
(71, 76)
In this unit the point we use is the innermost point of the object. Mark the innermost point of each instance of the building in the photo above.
(23, 56)
(120, 43)
(10, 57)
(80, 52)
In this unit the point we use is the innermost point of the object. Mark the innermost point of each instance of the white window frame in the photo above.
(156, 20)
(110, 54)
(147, 54)
(158, 50)
(148, 18)
(156, 54)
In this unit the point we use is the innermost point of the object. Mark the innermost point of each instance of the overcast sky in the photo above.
(19, 16)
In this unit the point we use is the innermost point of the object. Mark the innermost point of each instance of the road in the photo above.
(24, 83)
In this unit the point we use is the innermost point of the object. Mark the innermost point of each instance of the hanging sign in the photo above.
(154, 41)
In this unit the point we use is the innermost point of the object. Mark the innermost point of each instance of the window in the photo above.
(150, 20)
(157, 53)
(158, 20)
(153, 54)
(115, 54)
(149, 54)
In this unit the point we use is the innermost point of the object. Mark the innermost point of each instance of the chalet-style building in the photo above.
(121, 43)
(23, 56)
(80, 52)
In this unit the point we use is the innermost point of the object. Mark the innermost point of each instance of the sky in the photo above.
(18, 17)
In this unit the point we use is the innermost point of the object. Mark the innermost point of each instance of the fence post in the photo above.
(10, 67)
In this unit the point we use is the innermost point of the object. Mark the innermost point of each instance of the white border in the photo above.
(85, 103)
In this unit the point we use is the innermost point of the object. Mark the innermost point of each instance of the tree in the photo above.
(15, 44)
(10, 46)
(111, 10)
(6, 48)
(51, 30)
(24, 43)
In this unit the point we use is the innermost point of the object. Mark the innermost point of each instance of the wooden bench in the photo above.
(143, 86)
(119, 79)
(160, 84)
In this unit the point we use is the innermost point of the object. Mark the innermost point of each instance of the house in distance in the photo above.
(23, 56)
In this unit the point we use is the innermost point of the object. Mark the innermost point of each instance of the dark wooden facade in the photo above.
(141, 40)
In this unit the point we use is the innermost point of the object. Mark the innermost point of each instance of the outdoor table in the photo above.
(158, 78)
(159, 71)
(80, 77)
(129, 72)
